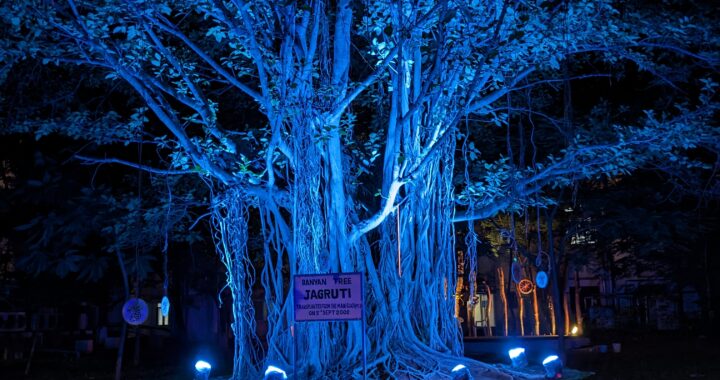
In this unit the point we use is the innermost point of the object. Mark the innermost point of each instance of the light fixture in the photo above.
(553, 367)
(574, 330)
(518, 358)
(202, 370)
(165, 306)
(274, 373)
(460, 372)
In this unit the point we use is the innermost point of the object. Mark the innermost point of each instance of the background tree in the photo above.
(291, 111)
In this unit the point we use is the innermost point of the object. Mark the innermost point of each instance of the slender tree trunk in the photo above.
(553, 323)
(578, 309)
(566, 309)
(136, 352)
(555, 278)
(123, 329)
(536, 312)
(472, 328)
(458, 297)
(709, 312)
(503, 297)
(521, 309)
(489, 308)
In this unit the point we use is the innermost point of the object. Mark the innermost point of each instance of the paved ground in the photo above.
(655, 356)
(645, 356)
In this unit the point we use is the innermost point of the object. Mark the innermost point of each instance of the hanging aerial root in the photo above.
(229, 221)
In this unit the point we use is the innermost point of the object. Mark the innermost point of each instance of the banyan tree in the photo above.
(355, 136)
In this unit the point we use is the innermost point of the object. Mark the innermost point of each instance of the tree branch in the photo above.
(367, 225)
(96, 160)
(344, 103)
(166, 26)
(492, 97)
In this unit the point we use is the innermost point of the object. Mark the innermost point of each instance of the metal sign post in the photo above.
(329, 297)
(294, 353)
(363, 321)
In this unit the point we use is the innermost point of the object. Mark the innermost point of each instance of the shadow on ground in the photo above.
(643, 356)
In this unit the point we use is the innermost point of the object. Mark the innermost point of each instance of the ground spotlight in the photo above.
(518, 358)
(202, 370)
(553, 367)
(460, 372)
(274, 373)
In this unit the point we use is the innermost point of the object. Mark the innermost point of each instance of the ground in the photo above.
(656, 356)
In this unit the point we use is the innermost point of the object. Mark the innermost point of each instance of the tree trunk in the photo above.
(136, 351)
(566, 310)
(536, 312)
(521, 309)
(458, 298)
(503, 297)
(555, 278)
(490, 308)
(123, 329)
(553, 323)
(578, 309)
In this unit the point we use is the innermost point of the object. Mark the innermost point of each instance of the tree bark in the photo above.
(559, 318)
(578, 308)
(503, 297)
(123, 329)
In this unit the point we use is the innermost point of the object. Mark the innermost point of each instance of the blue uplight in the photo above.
(460, 372)
(550, 358)
(273, 372)
(553, 367)
(515, 352)
(202, 366)
(518, 358)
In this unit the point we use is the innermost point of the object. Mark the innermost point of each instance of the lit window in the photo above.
(161, 319)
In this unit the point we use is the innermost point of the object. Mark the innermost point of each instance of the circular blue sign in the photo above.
(541, 279)
(135, 311)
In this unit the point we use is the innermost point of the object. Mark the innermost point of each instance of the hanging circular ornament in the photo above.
(516, 271)
(541, 279)
(135, 311)
(165, 306)
(525, 286)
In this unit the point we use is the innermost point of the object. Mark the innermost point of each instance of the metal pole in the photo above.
(294, 354)
(293, 330)
(362, 286)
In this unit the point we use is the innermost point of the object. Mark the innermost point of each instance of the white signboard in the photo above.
(328, 297)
